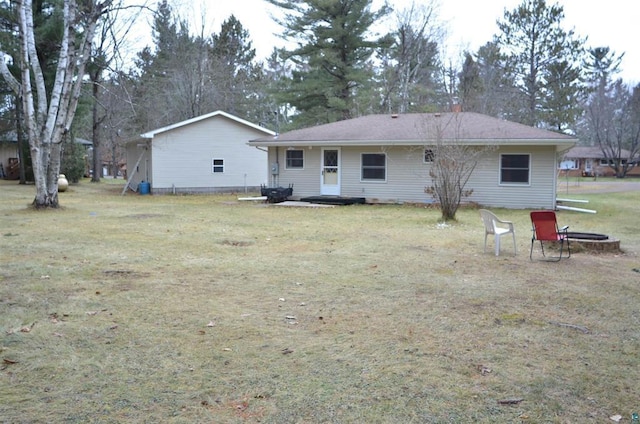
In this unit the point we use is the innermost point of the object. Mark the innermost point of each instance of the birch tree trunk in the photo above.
(46, 119)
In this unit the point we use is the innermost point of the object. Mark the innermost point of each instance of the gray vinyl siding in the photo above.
(143, 171)
(540, 193)
(407, 176)
(306, 181)
(182, 157)
(405, 181)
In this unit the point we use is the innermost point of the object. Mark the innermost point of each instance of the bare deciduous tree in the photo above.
(613, 124)
(415, 59)
(106, 63)
(611, 119)
(452, 163)
(48, 119)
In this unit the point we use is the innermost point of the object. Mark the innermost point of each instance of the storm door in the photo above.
(330, 178)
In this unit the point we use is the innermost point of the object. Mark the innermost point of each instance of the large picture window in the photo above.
(217, 166)
(515, 169)
(374, 167)
(295, 159)
(568, 164)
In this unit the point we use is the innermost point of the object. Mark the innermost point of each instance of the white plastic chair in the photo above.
(497, 227)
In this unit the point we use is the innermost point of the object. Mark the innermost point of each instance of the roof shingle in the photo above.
(417, 128)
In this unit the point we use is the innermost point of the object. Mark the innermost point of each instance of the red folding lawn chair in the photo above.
(545, 230)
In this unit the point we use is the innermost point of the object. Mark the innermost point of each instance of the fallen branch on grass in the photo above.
(585, 330)
(510, 401)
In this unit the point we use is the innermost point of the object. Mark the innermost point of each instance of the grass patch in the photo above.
(204, 309)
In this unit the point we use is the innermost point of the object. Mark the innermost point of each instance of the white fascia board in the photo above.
(561, 144)
(152, 133)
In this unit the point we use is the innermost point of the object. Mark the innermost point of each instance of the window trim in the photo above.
(215, 166)
(385, 168)
(575, 164)
(515, 183)
(610, 162)
(430, 154)
(287, 161)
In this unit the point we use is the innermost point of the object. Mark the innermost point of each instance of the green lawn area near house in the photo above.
(201, 309)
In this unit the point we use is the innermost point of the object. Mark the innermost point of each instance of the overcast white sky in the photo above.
(469, 23)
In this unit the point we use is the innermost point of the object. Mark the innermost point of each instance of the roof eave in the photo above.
(151, 134)
(566, 146)
(562, 144)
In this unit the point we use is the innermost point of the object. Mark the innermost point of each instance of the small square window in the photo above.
(217, 166)
(429, 155)
(295, 159)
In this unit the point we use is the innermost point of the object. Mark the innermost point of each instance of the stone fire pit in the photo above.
(594, 242)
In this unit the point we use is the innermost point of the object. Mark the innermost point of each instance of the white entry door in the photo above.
(330, 169)
(588, 166)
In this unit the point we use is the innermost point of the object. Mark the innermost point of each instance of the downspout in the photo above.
(555, 179)
(275, 176)
(245, 175)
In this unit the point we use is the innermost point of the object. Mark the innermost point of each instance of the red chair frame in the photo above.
(545, 229)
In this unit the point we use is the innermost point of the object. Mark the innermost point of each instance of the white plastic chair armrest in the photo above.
(507, 223)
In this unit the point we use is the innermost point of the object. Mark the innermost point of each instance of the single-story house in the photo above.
(387, 158)
(588, 161)
(205, 154)
(10, 158)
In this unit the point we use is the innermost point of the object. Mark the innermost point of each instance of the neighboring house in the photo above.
(88, 147)
(108, 154)
(386, 158)
(591, 162)
(206, 154)
(9, 157)
(9, 163)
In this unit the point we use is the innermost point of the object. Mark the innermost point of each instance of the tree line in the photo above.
(533, 71)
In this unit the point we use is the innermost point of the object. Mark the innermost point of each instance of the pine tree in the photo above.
(221, 73)
(165, 90)
(487, 85)
(411, 67)
(534, 42)
(237, 77)
(564, 89)
(334, 49)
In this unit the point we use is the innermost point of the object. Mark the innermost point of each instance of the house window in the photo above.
(568, 164)
(217, 166)
(611, 162)
(514, 169)
(374, 167)
(295, 159)
(429, 155)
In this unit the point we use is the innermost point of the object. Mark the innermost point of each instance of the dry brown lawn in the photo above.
(203, 309)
